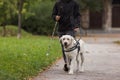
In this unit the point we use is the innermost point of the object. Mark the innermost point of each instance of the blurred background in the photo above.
(34, 16)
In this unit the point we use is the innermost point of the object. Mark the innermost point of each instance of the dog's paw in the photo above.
(66, 68)
(81, 70)
(70, 72)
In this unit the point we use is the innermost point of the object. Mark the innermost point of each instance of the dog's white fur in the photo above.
(73, 57)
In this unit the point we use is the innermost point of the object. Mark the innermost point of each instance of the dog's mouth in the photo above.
(65, 44)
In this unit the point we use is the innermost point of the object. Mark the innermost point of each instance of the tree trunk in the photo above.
(85, 19)
(107, 15)
(19, 26)
(20, 5)
(4, 31)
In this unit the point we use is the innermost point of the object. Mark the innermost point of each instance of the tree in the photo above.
(10, 8)
(20, 7)
(107, 14)
(23, 5)
(7, 10)
(85, 7)
(3, 17)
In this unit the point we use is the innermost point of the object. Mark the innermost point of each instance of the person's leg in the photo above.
(60, 35)
(64, 57)
(72, 33)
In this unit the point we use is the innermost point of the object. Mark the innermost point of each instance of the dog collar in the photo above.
(74, 47)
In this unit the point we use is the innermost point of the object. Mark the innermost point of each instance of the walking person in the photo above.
(66, 13)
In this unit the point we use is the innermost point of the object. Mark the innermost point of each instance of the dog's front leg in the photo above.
(67, 60)
(71, 71)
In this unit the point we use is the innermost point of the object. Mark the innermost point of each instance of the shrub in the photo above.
(40, 22)
(12, 30)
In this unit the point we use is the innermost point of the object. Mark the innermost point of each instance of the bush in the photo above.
(12, 30)
(40, 22)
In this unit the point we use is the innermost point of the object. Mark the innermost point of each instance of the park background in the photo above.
(26, 27)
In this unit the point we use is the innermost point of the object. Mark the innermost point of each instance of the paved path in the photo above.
(102, 62)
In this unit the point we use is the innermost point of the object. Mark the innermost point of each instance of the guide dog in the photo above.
(74, 52)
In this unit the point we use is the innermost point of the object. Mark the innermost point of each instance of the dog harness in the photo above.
(77, 46)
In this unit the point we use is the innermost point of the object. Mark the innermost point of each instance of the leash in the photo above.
(77, 46)
(54, 29)
(48, 51)
(49, 46)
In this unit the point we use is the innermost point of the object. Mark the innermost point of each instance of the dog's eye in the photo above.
(68, 39)
(63, 38)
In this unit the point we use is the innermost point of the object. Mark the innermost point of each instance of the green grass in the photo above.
(26, 57)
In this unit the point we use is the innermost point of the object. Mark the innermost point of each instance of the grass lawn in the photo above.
(23, 58)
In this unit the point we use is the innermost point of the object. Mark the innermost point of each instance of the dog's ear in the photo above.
(61, 39)
(72, 39)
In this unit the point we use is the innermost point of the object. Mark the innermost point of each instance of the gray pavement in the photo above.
(102, 62)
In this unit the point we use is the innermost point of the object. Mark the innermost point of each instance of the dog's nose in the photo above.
(65, 43)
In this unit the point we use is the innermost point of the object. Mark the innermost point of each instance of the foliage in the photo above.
(93, 5)
(23, 58)
(7, 10)
(40, 22)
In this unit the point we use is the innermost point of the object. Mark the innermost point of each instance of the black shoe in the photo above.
(66, 68)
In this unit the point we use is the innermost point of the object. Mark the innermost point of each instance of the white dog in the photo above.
(74, 53)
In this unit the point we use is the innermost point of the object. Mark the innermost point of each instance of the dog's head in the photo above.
(66, 40)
